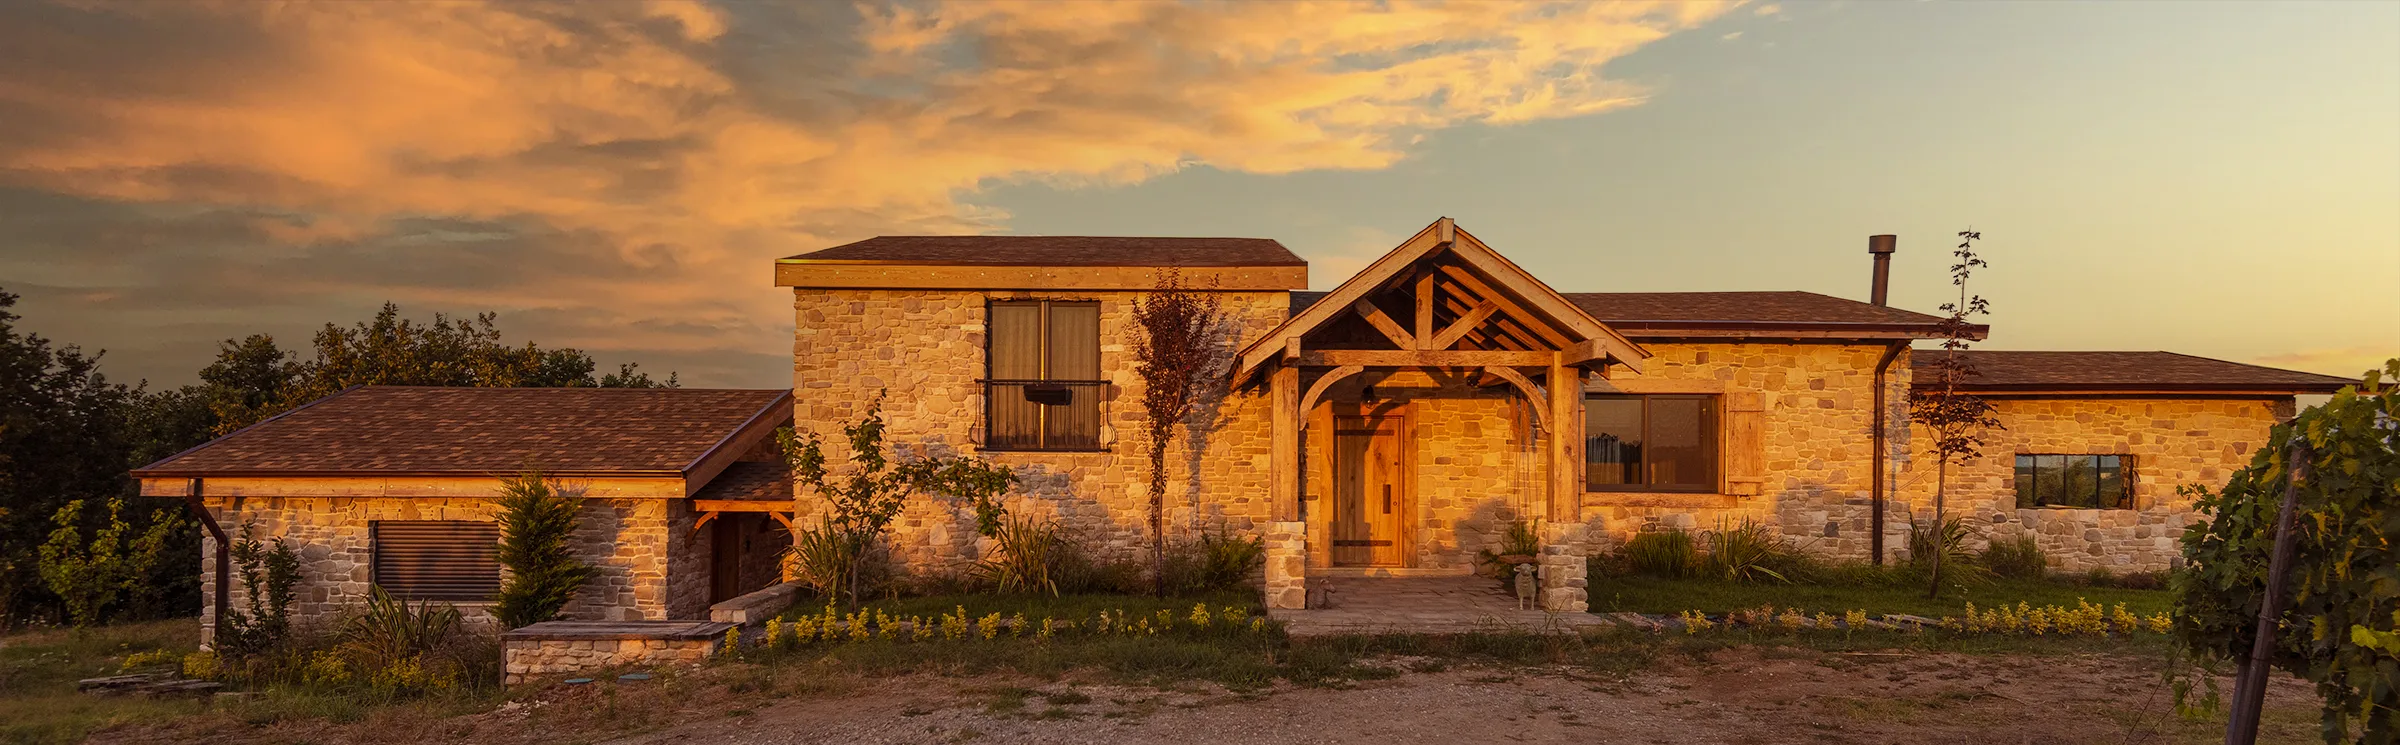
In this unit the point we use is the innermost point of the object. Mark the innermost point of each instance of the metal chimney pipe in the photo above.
(1881, 246)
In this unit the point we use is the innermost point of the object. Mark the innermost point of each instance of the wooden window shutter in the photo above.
(451, 560)
(1745, 443)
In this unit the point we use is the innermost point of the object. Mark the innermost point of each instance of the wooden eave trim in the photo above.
(1425, 358)
(1547, 299)
(363, 475)
(733, 445)
(1785, 330)
(743, 505)
(826, 275)
(2132, 392)
(380, 486)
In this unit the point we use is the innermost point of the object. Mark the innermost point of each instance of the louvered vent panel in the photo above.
(437, 559)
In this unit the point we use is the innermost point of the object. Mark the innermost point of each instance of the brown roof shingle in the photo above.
(1063, 250)
(1655, 315)
(1999, 371)
(750, 480)
(424, 430)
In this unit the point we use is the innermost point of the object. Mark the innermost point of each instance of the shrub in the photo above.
(1215, 562)
(1950, 541)
(1748, 552)
(1520, 540)
(270, 574)
(537, 526)
(1667, 553)
(829, 557)
(1029, 557)
(863, 502)
(89, 576)
(2018, 558)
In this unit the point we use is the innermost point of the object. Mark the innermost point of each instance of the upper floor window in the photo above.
(2079, 481)
(1650, 443)
(1043, 388)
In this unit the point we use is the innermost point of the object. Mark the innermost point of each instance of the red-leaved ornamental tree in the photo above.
(1955, 420)
(1179, 355)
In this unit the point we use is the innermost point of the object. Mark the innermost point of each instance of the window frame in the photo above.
(990, 383)
(377, 555)
(1714, 437)
(2123, 499)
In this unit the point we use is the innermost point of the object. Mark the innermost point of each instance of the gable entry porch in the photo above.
(1419, 411)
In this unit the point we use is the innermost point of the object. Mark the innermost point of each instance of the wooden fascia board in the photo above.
(1605, 349)
(454, 486)
(1424, 358)
(818, 275)
(743, 505)
(2122, 393)
(1337, 301)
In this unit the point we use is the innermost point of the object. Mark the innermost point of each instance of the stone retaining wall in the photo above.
(566, 648)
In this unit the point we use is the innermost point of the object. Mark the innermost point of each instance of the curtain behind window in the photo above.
(1016, 354)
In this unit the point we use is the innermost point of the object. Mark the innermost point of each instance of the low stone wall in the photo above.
(566, 648)
(757, 606)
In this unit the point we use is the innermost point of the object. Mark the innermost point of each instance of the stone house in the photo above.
(1401, 423)
(392, 486)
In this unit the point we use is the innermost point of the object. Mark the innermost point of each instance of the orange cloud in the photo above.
(672, 147)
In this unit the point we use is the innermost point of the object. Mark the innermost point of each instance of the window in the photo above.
(1043, 388)
(2092, 482)
(1650, 443)
(436, 559)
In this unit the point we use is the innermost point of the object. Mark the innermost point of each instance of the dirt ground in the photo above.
(1739, 695)
(1745, 696)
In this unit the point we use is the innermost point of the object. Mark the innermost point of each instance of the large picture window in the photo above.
(2101, 482)
(1650, 443)
(1043, 387)
(452, 560)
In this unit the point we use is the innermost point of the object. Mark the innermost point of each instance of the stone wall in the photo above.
(1818, 445)
(925, 350)
(2175, 442)
(632, 540)
(529, 657)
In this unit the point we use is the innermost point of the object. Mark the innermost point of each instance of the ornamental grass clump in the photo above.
(1668, 553)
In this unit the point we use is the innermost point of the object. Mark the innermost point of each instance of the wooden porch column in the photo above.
(1283, 386)
(1566, 440)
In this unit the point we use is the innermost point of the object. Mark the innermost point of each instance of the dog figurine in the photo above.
(1527, 588)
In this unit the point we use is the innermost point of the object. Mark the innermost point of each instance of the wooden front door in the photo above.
(725, 561)
(1370, 492)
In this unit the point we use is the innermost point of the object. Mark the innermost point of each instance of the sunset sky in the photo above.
(2220, 179)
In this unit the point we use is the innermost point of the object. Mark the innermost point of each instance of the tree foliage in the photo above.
(537, 532)
(2344, 613)
(1955, 420)
(863, 499)
(67, 435)
(90, 575)
(1177, 354)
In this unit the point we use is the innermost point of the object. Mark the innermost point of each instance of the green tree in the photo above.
(91, 575)
(537, 532)
(863, 501)
(2344, 587)
(66, 434)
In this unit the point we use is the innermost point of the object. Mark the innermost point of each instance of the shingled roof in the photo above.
(1667, 315)
(392, 430)
(1044, 250)
(1998, 371)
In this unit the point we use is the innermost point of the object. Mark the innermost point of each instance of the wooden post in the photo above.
(1566, 392)
(2250, 682)
(1283, 386)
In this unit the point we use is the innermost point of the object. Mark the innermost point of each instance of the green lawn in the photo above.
(38, 670)
(1653, 595)
(1064, 607)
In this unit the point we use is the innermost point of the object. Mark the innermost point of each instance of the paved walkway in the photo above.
(1422, 605)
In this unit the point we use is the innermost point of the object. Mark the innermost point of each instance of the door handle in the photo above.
(1387, 499)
